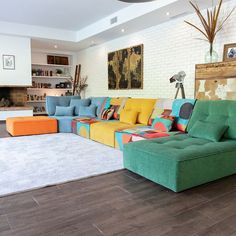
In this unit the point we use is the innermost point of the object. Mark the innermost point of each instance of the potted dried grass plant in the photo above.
(211, 26)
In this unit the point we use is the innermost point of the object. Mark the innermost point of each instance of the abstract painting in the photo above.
(125, 68)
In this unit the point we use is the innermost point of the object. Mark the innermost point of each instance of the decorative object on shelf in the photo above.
(230, 52)
(68, 93)
(125, 68)
(216, 81)
(211, 27)
(41, 85)
(8, 62)
(5, 102)
(57, 60)
(59, 72)
(37, 109)
(179, 79)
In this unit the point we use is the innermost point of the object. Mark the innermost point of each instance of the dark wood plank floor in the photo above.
(121, 203)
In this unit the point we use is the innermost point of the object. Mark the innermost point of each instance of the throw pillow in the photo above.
(163, 123)
(106, 104)
(182, 110)
(64, 111)
(116, 108)
(79, 102)
(208, 130)
(107, 114)
(88, 111)
(128, 116)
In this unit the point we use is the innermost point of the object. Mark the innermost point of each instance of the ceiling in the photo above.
(61, 14)
(74, 25)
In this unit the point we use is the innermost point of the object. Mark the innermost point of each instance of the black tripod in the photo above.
(180, 86)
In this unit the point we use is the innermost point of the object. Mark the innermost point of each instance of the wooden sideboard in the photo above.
(215, 81)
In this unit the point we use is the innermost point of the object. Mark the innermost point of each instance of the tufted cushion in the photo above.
(223, 112)
(182, 147)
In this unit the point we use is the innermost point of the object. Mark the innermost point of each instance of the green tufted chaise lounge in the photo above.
(182, 162)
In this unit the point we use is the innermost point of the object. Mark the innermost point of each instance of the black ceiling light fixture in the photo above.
(136, 1)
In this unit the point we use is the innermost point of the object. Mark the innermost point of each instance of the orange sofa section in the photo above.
(19, 126)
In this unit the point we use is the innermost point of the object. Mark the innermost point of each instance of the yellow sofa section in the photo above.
(104, 131)
(143, 106)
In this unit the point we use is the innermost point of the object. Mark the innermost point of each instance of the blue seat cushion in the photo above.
(65, 123)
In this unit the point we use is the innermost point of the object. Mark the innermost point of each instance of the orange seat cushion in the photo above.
(19, 126)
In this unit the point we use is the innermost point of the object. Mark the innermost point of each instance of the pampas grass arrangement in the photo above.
(211, 23)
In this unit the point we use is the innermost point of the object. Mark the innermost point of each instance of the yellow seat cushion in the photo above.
(143, 106)
(104, 132)
(128, 116)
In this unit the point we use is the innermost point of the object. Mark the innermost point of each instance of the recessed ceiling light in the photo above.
(122, 30)
(167, 13)
(55, 46)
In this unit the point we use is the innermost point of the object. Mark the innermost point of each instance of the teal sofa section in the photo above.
(181, 162)
(64, 122)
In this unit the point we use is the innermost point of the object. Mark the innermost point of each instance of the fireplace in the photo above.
(13, 96)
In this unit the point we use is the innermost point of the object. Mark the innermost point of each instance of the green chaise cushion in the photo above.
(181, 162)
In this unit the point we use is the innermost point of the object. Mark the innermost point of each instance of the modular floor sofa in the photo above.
(173, 159)
(121, 129)
(181, 162)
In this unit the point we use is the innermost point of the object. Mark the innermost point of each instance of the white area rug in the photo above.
(37, 161)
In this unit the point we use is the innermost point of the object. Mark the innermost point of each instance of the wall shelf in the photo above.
(51, 77)
(51, 89)
(51, 65)
(40, 113)
(37, 101)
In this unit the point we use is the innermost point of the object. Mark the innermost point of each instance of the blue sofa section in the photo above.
(64, 122)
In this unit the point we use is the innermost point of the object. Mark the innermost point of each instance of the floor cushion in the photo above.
(19, 126)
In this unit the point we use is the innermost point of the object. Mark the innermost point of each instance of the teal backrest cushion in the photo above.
(79, 102)
(223, 112)
(53, 101)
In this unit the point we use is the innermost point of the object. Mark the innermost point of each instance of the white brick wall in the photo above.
(168, 48)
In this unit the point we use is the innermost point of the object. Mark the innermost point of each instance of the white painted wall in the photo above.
(20, 48)
(168, 48)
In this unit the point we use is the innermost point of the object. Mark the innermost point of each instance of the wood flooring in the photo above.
(120, 203)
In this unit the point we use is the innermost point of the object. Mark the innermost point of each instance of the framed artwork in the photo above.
(8, 62)
(230, 52)
(125, 68)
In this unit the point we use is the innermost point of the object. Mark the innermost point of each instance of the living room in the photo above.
(118, 119)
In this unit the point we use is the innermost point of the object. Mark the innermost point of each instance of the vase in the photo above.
(211, 56)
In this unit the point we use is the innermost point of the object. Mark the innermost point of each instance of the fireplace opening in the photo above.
(13, 96)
